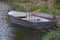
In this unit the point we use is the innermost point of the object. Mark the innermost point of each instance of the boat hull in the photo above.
(32, 24)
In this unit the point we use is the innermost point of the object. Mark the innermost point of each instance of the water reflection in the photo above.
(16, 32)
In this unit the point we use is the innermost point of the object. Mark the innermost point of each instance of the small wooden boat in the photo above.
(31, 19)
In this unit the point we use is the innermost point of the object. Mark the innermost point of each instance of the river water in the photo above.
(14, 31)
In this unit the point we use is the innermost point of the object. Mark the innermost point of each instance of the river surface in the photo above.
(14, 31)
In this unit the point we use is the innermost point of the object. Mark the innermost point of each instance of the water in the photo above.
(14, 31)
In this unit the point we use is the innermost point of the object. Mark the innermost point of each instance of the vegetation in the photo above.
(32, 8)
(55, 35)
(57, 4)
(20, 8)
(58, 12)
(52, 36)
(43, 9)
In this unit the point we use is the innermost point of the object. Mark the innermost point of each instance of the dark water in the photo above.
(14, 31)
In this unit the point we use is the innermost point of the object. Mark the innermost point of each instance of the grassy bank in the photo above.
(43, 9)
(54, 35)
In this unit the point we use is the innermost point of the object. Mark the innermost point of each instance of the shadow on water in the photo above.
(18, 32)
(22, 33)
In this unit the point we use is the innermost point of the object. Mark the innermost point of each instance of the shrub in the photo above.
(52, 36)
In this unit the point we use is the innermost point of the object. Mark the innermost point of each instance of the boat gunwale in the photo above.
(21, 19)
(44, 17)
(52, 20)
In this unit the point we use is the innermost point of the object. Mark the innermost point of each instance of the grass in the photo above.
(57, 4)
(33, 8)
(55, 35)
(43, 9)
(57, 12)
(58, 26)
(20, 8)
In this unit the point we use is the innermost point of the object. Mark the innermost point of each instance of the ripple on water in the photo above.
(5, 31)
